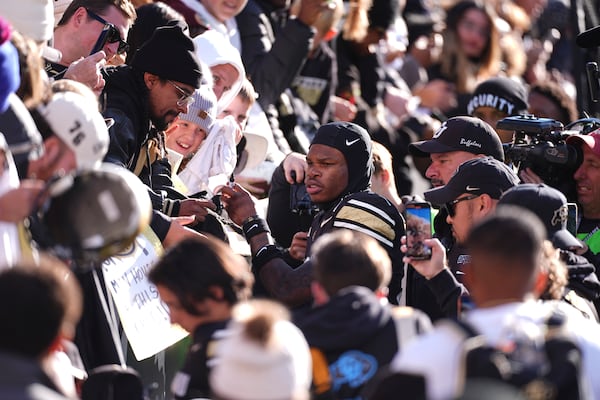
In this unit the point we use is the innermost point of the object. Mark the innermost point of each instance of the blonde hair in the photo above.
(382, 158)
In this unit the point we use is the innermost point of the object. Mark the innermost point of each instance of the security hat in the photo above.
(592, 140)
(504, 94)
(77, 121)
(169, 54)
(203, 110)
(484, 175)
(461, 134)
(589, 38)
(550, 205)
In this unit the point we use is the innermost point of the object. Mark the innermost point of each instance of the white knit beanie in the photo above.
(246, 369)
(203, 110)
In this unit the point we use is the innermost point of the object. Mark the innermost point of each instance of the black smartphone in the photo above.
(418, 228)
(102, 39)
(572, 218)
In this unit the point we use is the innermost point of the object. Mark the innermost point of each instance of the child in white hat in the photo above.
(187, 133)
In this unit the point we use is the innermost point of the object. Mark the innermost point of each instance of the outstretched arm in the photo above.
(290, 286)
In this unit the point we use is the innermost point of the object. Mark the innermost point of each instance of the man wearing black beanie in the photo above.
(337, 180)
(497, 98)
(143, 99)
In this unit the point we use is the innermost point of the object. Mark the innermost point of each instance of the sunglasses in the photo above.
(113, 33)
(186, 99)
(450, 207)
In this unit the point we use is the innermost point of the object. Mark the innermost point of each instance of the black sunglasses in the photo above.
(450, 207)
(113, 33)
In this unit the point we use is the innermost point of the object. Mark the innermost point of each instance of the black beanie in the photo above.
(504, 94)
(169, 54)
(355, 144)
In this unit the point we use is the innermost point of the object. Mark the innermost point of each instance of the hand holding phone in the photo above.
(418, 229)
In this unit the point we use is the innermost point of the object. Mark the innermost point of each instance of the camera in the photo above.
(540, 144)
(300, 202)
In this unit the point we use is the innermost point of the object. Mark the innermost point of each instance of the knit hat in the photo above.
(272, 367)
(504, 94)
(550, 205)
(32, 18)
(169, 54)
(10, 79)
(355, 144)
(77, 121)
(203, 110)
(461, 134)
(477, 176)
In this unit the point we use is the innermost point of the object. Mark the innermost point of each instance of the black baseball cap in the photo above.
(461, 134)
(589, 38)
(484, 175)
(550, 205)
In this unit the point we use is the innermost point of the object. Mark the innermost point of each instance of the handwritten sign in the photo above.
(144, 317)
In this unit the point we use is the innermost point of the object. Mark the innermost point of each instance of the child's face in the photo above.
(240, 109)
(184, 137)
(224, 9)
(224, 76)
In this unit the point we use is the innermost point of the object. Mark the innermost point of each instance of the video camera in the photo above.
(540, 144)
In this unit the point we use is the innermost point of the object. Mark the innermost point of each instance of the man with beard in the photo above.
(143, 99)
(459, 139)
(337, 180)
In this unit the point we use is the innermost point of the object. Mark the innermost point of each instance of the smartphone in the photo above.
(418, 228)
(102, 39)
(572, 218)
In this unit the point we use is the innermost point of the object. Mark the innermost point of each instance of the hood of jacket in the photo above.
(349, 319)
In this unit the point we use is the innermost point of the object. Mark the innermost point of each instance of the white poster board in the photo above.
(144, 317)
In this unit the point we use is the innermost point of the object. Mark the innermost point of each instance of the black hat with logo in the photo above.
(461, 134)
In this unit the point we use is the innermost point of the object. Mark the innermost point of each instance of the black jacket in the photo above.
(357, 336)
(274, 48)
(192, 380)
(134, 142)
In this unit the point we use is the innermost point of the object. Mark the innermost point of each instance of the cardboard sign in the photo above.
(144, 317)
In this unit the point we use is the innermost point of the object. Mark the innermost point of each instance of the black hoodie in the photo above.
(356, 334)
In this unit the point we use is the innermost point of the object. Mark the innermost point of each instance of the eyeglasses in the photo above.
(186, 99)
(113, 33)
(450, 207)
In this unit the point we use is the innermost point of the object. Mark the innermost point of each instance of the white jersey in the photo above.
(437, 355)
